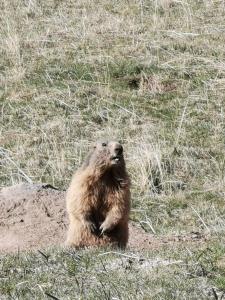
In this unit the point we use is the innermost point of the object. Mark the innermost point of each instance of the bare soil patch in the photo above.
(34, 216)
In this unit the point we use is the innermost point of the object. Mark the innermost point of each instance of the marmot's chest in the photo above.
(103, 196)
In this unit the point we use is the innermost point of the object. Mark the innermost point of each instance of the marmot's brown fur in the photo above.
(98, 199)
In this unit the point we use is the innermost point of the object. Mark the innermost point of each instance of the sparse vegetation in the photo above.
(150, 73)
(183, 273)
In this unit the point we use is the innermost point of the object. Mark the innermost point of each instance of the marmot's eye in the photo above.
(104, 144)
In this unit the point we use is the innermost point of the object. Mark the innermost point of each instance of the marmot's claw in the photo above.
(102, 229)
(92, 227)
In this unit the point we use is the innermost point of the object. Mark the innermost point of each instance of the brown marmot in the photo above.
(98, 199)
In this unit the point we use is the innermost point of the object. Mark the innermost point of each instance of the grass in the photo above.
(149, 73)
(183, 274)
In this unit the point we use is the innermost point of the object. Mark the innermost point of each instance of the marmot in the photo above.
(98, 199)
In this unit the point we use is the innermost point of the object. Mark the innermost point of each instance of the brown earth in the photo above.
(34, 217)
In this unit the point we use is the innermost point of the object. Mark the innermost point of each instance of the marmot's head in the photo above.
(106, 155)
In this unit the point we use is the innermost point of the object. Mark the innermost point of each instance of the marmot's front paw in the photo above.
(104, 228)
(93, 227)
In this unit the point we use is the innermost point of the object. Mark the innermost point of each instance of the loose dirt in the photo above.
(34, 216)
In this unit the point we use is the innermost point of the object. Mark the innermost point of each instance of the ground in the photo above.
(148, 73)
(34, 217)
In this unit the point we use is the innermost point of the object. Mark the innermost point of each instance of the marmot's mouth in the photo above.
(116, 158)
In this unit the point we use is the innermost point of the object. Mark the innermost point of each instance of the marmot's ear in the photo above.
(87, 159)
(93, 146)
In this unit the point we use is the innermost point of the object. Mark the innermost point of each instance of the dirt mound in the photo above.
(34, 216)
(31, 216)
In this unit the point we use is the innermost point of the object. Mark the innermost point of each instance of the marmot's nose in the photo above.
(118, 149)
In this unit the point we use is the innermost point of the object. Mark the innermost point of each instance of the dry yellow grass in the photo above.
(150, 73)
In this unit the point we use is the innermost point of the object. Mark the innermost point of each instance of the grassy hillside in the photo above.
(149, 73)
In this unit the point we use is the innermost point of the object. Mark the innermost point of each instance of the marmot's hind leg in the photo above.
(80, 235)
